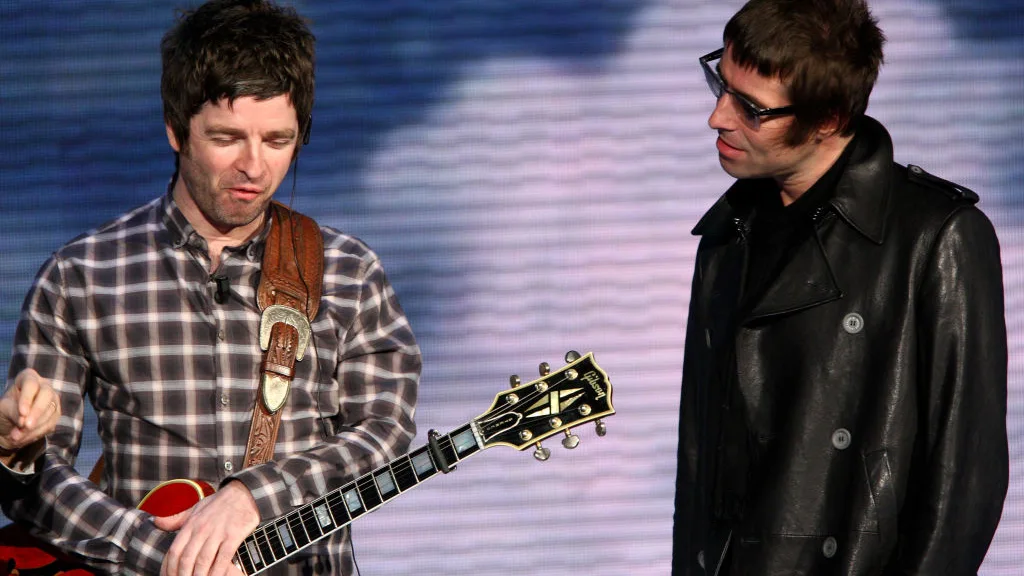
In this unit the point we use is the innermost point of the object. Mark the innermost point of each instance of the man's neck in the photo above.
(818, 162)
(217, 238)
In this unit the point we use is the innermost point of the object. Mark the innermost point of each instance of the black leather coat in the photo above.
(872, 373)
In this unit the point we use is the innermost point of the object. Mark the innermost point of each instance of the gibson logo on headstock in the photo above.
(593, 379)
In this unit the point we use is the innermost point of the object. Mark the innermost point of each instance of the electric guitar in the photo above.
(519, 417)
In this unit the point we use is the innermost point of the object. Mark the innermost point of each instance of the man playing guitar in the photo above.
(196, 367)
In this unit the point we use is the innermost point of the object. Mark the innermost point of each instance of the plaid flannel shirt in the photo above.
(125, 316)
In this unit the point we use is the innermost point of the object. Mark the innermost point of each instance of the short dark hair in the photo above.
(826, 52)
(235, 48)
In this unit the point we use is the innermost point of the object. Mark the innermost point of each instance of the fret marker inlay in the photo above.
(352, 501)
(421, 462)
(323, 516)
(286, 536)
(384, 483)
(464, 441)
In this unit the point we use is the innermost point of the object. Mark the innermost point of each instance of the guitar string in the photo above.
(307, 513)
(402, 467)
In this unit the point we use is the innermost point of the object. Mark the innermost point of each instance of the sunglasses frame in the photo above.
(752, 112)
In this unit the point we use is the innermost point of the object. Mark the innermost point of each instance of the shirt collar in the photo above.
(182, 232)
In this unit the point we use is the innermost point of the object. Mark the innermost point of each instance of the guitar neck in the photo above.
(286, 535)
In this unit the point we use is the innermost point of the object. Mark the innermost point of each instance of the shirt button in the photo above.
(841, 439)
(228, 466)
(829, 547)
(223, 399)
(700, 558)
(220, 335)
(853, 323)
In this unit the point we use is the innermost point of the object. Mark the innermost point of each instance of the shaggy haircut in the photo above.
(235, 48)
(826, 52)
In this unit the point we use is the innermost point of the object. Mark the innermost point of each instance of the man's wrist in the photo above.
(7, 455)
(21, 459)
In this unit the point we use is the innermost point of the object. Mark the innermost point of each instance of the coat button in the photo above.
(853, 323)
(700, 558)
(841, 439)
(829, 547)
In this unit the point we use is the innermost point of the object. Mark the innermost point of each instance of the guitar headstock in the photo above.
(525, 414)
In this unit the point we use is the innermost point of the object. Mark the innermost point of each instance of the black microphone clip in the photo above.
(223, 289)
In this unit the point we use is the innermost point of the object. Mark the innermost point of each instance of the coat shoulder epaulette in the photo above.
(953, 190)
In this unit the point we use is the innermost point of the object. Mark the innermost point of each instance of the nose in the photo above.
(723, 117)
(250, 160)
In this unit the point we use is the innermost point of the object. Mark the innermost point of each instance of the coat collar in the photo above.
(861, 197)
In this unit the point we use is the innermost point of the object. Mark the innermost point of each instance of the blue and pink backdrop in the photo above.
(529, 172)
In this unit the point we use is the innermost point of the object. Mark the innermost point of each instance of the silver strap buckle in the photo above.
(290, 316)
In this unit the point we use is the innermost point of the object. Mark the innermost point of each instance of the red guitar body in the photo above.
(24, 555)
(174, 496)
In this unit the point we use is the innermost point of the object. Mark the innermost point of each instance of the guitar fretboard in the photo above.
(286, 535)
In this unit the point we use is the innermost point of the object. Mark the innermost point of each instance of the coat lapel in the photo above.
(806, 281)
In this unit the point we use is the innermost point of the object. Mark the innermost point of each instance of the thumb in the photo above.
(173, 522)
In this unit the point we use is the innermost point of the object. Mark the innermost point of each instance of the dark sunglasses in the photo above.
(751, 112)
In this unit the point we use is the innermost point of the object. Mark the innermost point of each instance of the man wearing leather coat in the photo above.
(843, 407)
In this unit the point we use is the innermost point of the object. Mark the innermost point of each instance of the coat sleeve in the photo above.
(960, 470)
(683, 554)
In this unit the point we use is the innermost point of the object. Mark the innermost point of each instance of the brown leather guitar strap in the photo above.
(288, 296)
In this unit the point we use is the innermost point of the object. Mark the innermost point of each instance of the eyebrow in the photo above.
(287, 133)
(747, 97)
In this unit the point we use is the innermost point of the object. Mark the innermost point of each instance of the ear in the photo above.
(172, 139)
(827, 129)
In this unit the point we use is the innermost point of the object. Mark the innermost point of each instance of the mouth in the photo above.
(246, 193)
(726, 149)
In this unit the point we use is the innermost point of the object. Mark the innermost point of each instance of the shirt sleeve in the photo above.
(378, 375)
(64, 508)
(961, 470)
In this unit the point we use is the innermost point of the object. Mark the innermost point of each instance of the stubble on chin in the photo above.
(235, 213)
(218, 207)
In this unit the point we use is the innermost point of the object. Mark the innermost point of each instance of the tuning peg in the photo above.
(541, 453)
(570, 441)
(602, 429)
(571, 356)
(545, 369)
(515, 381)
